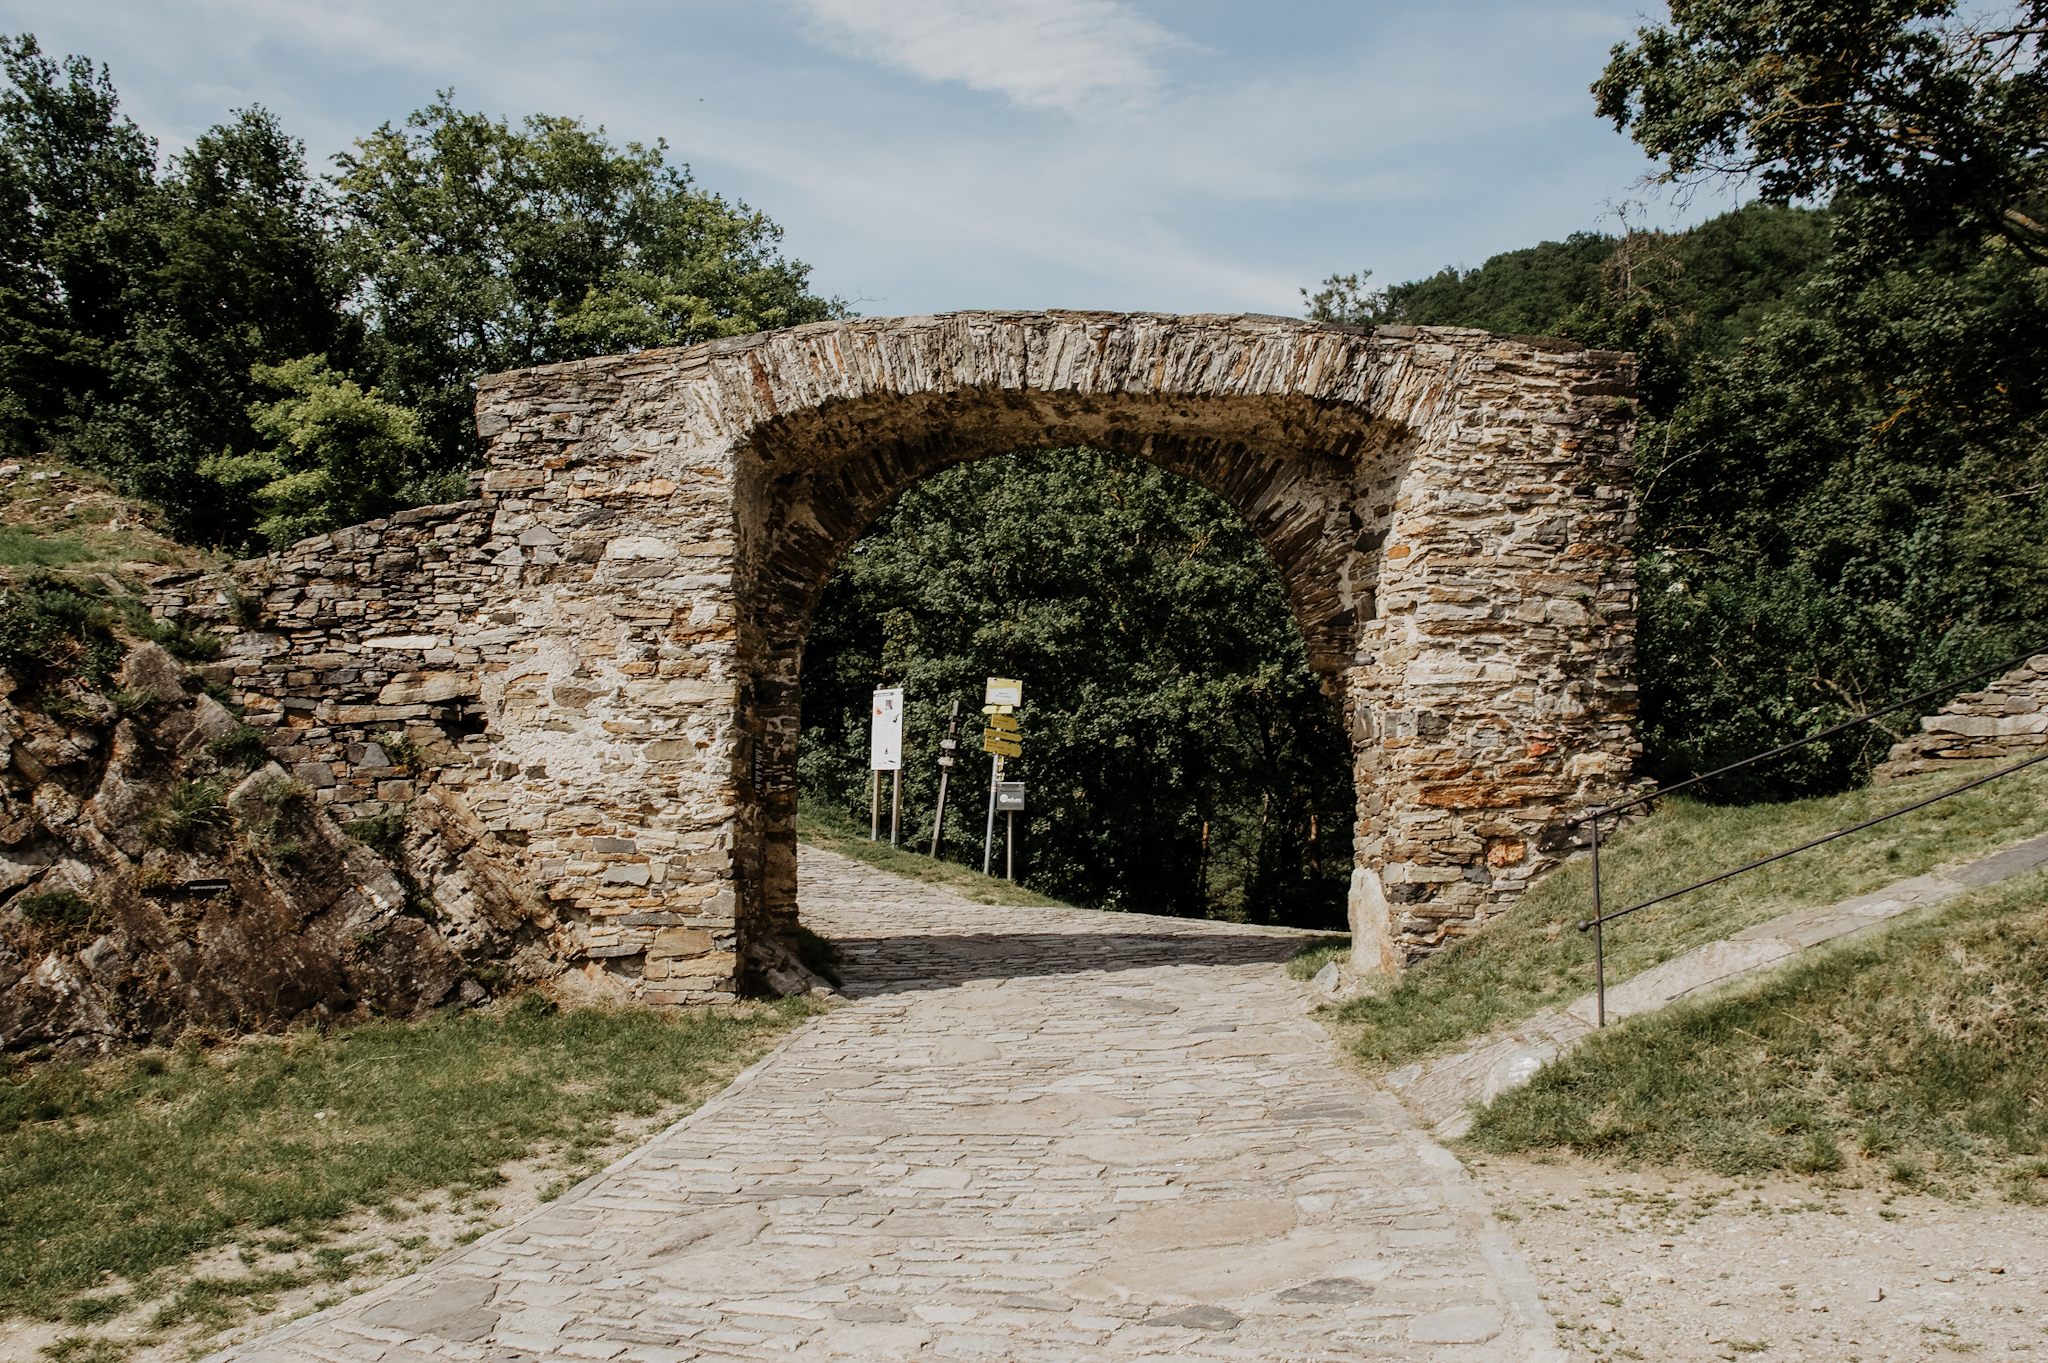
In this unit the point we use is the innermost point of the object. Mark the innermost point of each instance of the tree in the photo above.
(482, 247)
(1166, 686)
(70, 166)
(339, 455)
(230, 271)
(1897, 100)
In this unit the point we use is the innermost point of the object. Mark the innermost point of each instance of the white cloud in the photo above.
(1067, 55)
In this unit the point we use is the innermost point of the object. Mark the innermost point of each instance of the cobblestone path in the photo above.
(1035, 1134)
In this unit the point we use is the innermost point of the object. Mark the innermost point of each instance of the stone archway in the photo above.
(621, 612)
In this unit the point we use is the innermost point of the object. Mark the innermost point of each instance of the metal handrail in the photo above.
(1596, 924)
(1893, 708)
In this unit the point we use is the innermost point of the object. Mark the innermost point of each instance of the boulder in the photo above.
(153, 672)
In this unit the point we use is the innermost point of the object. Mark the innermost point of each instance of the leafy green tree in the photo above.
(1945, 120)
(1165, 683)
(482, 246)
(1850, 504)
(70, 168)
(230, 271)
(340, 455)
(134, 305)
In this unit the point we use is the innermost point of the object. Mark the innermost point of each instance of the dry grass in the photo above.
(126, 1168)
(1534, 958)
(73, 521)
(1916, 1054)
(822, 827)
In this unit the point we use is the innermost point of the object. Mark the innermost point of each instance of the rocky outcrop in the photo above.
(153, 881)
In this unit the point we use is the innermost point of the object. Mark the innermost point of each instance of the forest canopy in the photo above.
(1842, 465)
(267, 353)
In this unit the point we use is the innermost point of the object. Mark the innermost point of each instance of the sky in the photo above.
(931, 155)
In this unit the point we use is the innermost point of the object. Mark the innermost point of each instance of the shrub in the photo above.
(177, 637)
(58, 909)
(66, 710)
(129, 701)
(50, 629)
(244, 746)
(404, 753)
(181, 816)
(383, 834)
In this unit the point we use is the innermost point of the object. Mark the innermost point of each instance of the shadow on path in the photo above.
(891, 964)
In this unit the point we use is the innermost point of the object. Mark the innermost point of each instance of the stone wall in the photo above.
(2006, 720)
(601, 655)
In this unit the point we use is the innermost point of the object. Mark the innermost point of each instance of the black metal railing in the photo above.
(1597, 923)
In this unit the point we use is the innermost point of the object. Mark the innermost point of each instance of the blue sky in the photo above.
(926, 155)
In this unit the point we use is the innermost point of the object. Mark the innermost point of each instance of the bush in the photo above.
(176, 637)
(384, 834)
(244, 746)
(66, 710)
(188, 810)
(58, 909)
(49, 630)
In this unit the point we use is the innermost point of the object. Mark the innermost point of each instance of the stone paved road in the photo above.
(1036, 1134)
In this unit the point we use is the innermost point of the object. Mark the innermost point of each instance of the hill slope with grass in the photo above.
(1915, 1048)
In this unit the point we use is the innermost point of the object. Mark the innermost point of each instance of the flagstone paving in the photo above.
(1033, 1134)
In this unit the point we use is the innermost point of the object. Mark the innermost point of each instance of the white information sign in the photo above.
(1005, 691)
(885, 738)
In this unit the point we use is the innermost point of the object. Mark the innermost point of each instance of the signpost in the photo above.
(1000, 739)
(885, 753)
(946, 747)
(1010, 800)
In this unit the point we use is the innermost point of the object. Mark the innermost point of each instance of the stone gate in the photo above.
(595, 664)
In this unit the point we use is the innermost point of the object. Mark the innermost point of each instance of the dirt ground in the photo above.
(1665, 1264)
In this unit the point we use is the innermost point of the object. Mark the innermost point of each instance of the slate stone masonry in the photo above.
(2007, 719)
(599, 656)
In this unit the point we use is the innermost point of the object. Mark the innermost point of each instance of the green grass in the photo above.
(822, 827)
(1316, 953)
(129, 1166)
(1916, 1054)
(21, 547)
(1535, 958)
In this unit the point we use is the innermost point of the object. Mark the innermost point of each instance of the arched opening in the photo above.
(1181, 757)
(1314, 483)
(627, 599)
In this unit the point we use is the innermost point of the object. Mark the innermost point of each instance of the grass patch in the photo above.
(21, 547)
(58, 909)
(243, 746)
(820, 826)
(1316, 953)
(188, 809)
(128, 1166)
(1535, 958)
(1919, 1051)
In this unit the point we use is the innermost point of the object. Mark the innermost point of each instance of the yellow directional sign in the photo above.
(1000, 743)
(1003, 722)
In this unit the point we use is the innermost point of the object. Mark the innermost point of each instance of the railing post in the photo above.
(1599, 939)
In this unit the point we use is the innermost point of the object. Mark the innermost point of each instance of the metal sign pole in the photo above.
(896, 807)
(945, 770)
(875, 808)
(1599, 936)
(1009, 847)
(988, 838)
